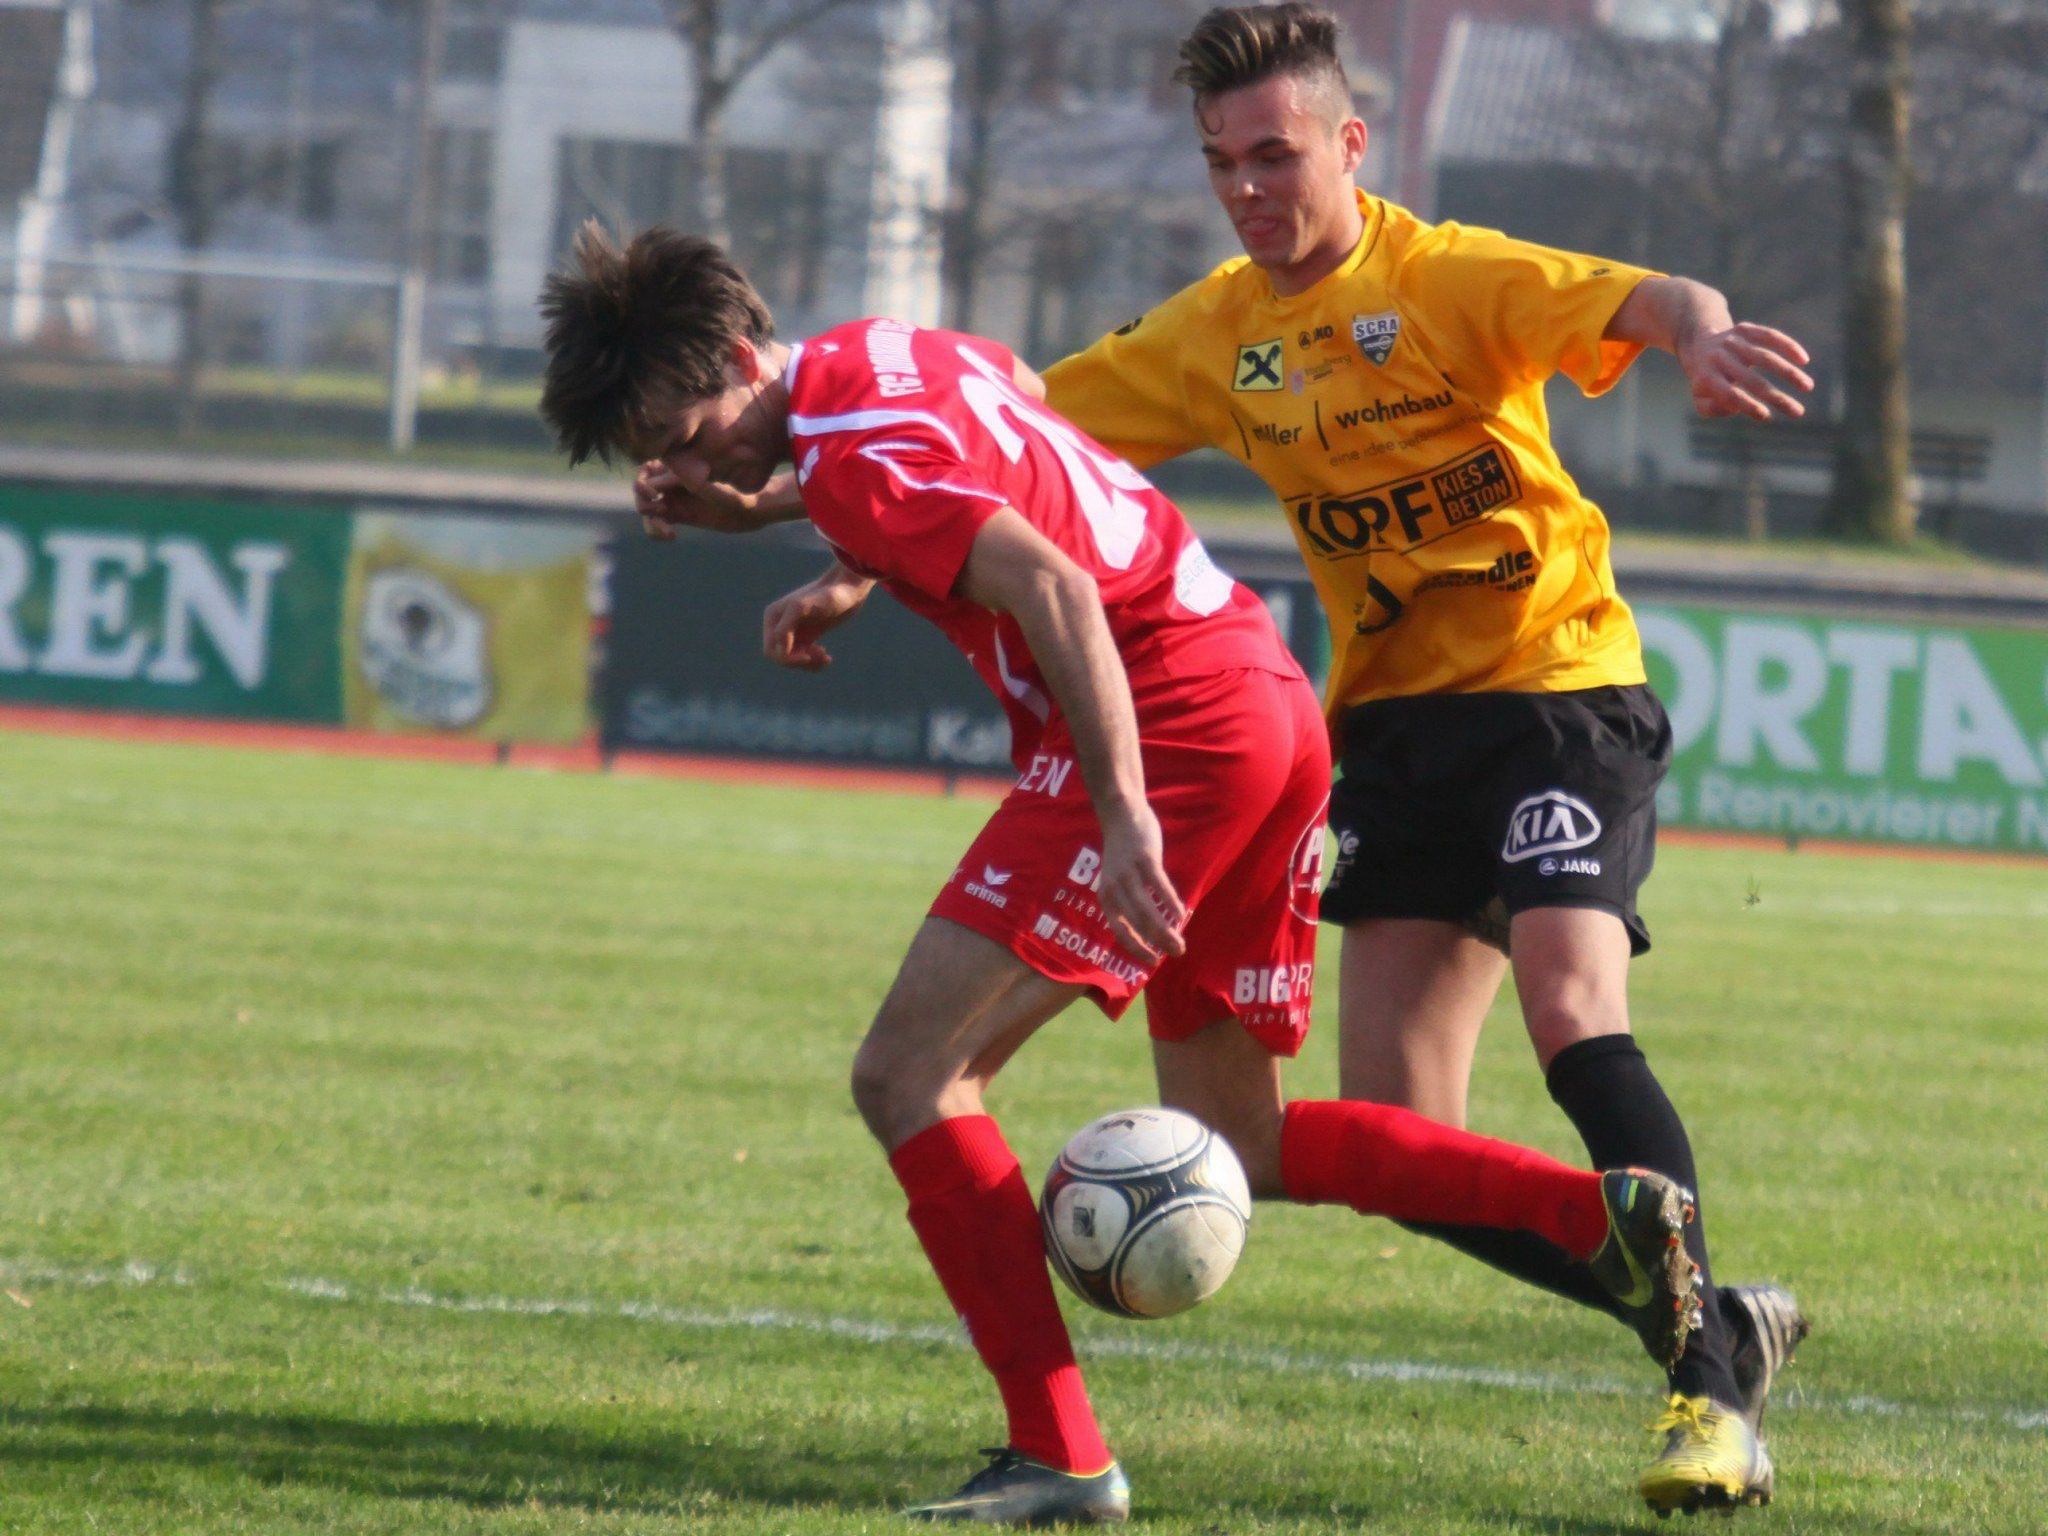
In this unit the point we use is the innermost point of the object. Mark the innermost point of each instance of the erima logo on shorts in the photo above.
(988, 887)
(1551, 822)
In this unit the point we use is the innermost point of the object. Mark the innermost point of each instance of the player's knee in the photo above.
(890, 1091)
(876, 1089)
(1567, 1018)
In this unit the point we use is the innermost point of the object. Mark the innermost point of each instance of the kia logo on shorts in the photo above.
(1548, 823)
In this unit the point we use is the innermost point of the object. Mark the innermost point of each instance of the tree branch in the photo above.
(775, 34)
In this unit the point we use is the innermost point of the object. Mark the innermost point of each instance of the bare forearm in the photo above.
(840, 574)
(780, 500)
(1734, 369)
(1670, 313)
(1069, 636)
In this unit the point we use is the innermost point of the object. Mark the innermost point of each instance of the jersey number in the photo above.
(1099, 482)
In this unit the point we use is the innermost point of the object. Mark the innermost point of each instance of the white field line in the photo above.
(865, 1331)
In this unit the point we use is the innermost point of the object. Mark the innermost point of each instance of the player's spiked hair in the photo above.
(1239, 45)
(637, 330)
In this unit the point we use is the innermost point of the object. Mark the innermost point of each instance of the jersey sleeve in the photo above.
(902, 504)
(1515, 313)
(1127, 393)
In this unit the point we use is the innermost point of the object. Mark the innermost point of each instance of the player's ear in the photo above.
(745, 360)
(1351, 137)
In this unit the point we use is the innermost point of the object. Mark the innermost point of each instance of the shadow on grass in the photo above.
(474, 1462)
(487, 1465)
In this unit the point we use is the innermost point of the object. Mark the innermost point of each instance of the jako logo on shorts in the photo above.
(1548, 823)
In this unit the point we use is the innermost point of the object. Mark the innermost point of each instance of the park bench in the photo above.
(1951, 459)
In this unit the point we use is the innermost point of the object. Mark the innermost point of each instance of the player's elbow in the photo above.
(1063, 593)
(1046, 590)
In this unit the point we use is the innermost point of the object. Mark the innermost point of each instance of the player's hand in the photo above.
(791, 625)
(1746, 370)
(1138, 900)
(667, 501)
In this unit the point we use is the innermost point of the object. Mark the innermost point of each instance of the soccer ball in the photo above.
(1145, 1212)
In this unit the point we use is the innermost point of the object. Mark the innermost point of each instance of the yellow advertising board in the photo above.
(468, 626)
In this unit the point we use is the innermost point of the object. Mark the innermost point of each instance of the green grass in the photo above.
(430, 1035)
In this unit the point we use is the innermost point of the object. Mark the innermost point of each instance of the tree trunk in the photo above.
(192, 194)
(710, 90)
(1873, 482)
(968, 233)
(713, 220)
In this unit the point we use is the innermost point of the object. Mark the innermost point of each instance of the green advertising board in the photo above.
(1864, 730)
(173, 604)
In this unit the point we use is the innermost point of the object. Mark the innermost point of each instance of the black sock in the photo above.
(1529, 1259)
(1610, 1094)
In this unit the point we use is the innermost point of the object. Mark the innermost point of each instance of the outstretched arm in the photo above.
(1734, 369)
(1015, 569)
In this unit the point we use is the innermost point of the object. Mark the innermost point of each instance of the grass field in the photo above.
(401, 1147)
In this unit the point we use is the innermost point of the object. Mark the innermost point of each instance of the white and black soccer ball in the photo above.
(1145, 1212)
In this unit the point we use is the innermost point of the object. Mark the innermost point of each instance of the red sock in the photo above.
(972, 1210)
(1393, 1162)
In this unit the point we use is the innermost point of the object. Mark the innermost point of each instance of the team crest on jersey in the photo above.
(1258, 366)
(1376, 334)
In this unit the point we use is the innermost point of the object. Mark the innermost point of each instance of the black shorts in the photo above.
(1471, 807)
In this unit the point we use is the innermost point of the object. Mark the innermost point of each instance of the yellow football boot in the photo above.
(1711, 1459)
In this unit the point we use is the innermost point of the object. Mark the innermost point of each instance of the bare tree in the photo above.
(194, 196)
(1873, 491)
(986, 51)
(726, 43)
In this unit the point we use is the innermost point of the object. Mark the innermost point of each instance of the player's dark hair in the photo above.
(638, 330)
(1238, 45)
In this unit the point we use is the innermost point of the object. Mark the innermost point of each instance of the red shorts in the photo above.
(1237, 769)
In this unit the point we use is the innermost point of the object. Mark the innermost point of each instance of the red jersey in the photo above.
(907, 440)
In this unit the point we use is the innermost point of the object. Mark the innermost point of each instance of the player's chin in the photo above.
(1268, 246)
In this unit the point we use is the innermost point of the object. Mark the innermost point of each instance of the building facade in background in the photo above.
(1026, 168)
(1722, 162)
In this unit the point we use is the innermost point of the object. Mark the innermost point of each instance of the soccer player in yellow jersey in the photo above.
(1500, 747)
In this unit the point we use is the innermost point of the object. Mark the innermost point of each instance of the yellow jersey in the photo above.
(1396, 409)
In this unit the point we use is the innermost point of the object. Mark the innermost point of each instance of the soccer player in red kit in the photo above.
(1164, 834)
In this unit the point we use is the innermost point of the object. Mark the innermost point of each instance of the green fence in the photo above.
(1892, 732)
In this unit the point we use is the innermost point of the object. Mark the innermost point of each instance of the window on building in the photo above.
(461, 249)
(300, 179)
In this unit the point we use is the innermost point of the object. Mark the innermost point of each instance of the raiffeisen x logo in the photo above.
(1258, 366)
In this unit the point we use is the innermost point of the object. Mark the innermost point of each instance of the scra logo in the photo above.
(1551, 822)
